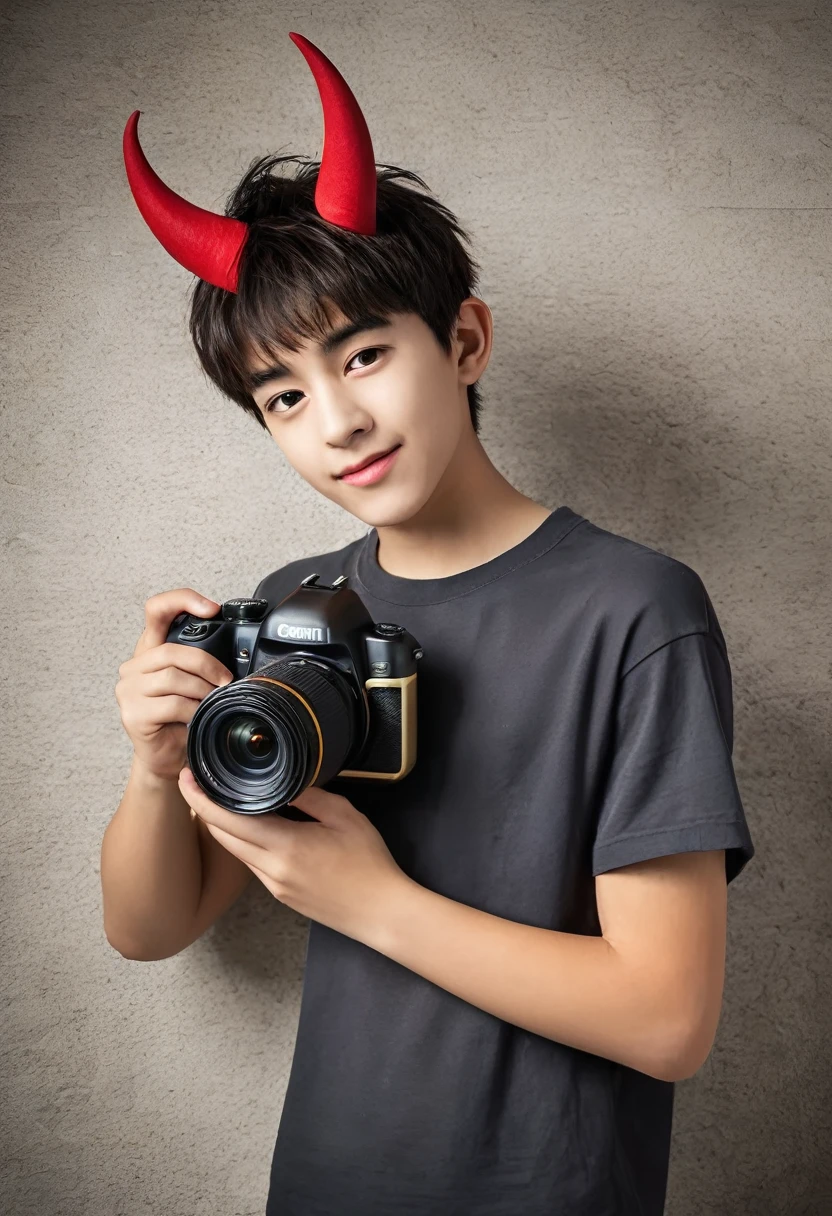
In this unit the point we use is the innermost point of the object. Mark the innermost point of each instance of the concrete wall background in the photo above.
(648, 188)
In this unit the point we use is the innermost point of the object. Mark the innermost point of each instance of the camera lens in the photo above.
(250, 742)
(255, 744)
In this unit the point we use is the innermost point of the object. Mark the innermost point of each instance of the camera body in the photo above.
(320, 690)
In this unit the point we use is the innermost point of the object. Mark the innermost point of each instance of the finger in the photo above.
(167, 680)
(266, 879)
(161, 609)
(187, 658)
(323, 805)
(262, 831)
(258, 873)
(247, 852)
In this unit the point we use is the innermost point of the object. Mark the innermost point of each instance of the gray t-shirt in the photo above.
(574, 715)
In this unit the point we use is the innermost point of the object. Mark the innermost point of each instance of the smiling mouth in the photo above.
(375, 460)
(376, 470)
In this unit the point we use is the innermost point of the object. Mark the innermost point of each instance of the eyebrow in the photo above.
(277, 371)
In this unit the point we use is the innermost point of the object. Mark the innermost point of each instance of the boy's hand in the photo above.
(337, 871)
(161, 686)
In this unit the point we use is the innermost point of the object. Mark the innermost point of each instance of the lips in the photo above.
(370, 460)
(374, 472)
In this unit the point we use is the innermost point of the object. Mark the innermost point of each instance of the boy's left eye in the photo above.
(368, 350)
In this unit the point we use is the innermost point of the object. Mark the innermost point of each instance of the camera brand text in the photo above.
(309, 633)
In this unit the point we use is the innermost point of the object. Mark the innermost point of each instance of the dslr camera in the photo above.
(320, 690)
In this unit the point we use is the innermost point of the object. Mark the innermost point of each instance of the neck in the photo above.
(473, 515)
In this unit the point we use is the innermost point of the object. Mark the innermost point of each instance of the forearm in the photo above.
(151, 868)
(574, 989)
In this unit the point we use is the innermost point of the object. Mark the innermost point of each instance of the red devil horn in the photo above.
(209, 245)
(345, 193)
(203, 242)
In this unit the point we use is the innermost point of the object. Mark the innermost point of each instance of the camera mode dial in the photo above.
(244, 610)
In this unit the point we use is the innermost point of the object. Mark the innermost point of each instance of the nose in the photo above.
(340, 414)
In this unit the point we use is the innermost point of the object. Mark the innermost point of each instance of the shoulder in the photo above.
(644, 597)
(275, 586)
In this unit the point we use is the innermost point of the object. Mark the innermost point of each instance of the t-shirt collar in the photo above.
(413, 591)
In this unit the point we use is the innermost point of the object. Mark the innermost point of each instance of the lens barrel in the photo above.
(257, 743)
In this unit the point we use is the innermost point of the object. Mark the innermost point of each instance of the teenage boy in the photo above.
(515, 951)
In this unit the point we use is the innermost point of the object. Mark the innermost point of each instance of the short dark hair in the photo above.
(294, 263)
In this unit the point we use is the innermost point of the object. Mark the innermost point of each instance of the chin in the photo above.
(387, 511)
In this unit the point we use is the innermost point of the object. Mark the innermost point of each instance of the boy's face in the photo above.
(389, 384)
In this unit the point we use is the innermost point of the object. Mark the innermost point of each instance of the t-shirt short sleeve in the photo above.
(671, 786)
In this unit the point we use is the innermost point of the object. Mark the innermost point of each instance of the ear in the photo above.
(474, 337)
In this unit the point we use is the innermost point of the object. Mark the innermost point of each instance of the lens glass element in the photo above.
(247, 744)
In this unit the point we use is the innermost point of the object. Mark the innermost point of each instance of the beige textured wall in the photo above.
(648, 185)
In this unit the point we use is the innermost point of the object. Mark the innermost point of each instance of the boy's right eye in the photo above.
(269, 407)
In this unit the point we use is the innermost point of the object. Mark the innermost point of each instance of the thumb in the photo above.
(324, 806)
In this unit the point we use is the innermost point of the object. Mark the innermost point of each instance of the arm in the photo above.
(647, 993)
(164, 878)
